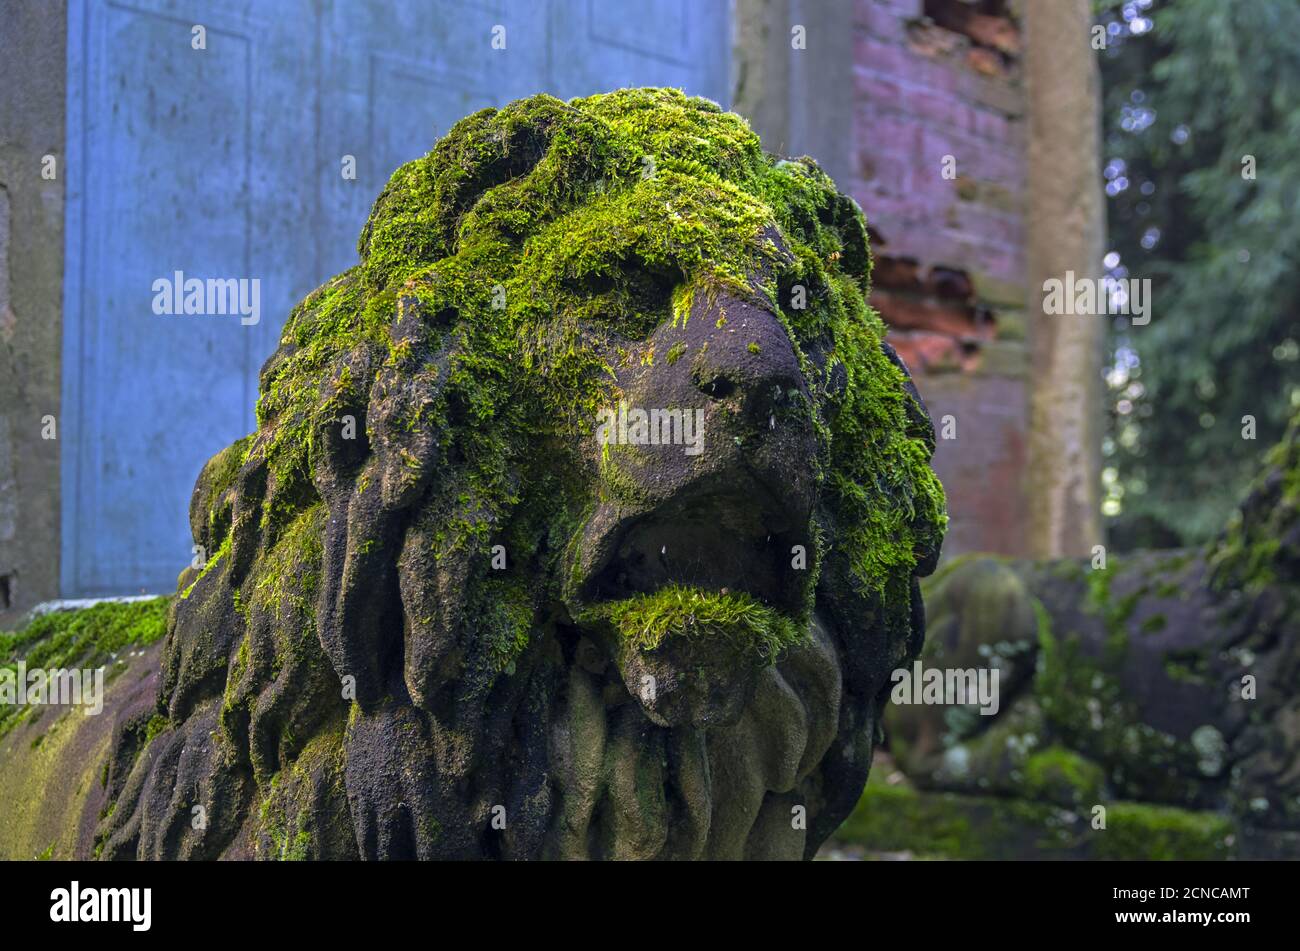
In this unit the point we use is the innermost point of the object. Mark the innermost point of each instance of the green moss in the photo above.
(1249, 556)
(988, 605)
(538, 240)
(217, 477)
(286, 579)
(287, 829)
(644, 622)
(156, 725)
(213, 561)
(1189, 666)
(1114, 611)
(1087, 710)
(950, 826)
(87, 637)
(1062, 776)
(1046, 641)
(1139, 831)
(1154, 624)
(954, 826)
(504, 618)
(896, 819)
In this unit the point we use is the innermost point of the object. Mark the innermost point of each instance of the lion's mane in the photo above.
(356, 672)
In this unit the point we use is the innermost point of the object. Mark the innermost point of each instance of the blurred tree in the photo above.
(1202, 123)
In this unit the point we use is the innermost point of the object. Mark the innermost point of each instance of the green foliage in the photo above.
(1211, 84)
(89, 635)
(286, 831)
(897, 819)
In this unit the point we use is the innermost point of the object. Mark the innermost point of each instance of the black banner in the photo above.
(944, 899)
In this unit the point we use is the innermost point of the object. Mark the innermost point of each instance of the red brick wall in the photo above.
(936, 78)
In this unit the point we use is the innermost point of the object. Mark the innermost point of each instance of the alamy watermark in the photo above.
(947, 686)
(1099, 297)
(215, 296)
(624, 426)
(74, 904)
(56, 686)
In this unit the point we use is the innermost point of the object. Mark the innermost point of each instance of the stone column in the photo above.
(1066, 230)
(33, 67)
(796, 90)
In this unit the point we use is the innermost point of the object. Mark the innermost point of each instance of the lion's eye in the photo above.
(720, 388)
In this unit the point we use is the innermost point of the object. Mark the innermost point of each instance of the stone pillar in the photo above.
(32, 116)
(796, 89)
(1066, 227)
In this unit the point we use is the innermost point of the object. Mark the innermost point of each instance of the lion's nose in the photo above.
(749, 357)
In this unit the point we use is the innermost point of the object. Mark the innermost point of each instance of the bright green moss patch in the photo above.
(504, 618)
(1062, 776)
(215, 479)
(156, 725)
(87, 637)
(897, 819)
(209, 565)
(749, 626)
(59, 638)
(1139, 831)
(951, 826)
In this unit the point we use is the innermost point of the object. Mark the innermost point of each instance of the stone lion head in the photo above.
(583, 518)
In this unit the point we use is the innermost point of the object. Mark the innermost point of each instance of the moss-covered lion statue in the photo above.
(445, 614)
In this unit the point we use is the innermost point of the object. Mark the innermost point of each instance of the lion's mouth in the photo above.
(746, 541)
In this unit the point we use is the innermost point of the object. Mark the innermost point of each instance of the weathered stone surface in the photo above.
(442, 619)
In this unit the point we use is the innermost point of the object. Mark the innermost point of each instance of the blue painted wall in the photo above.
(226, 162)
